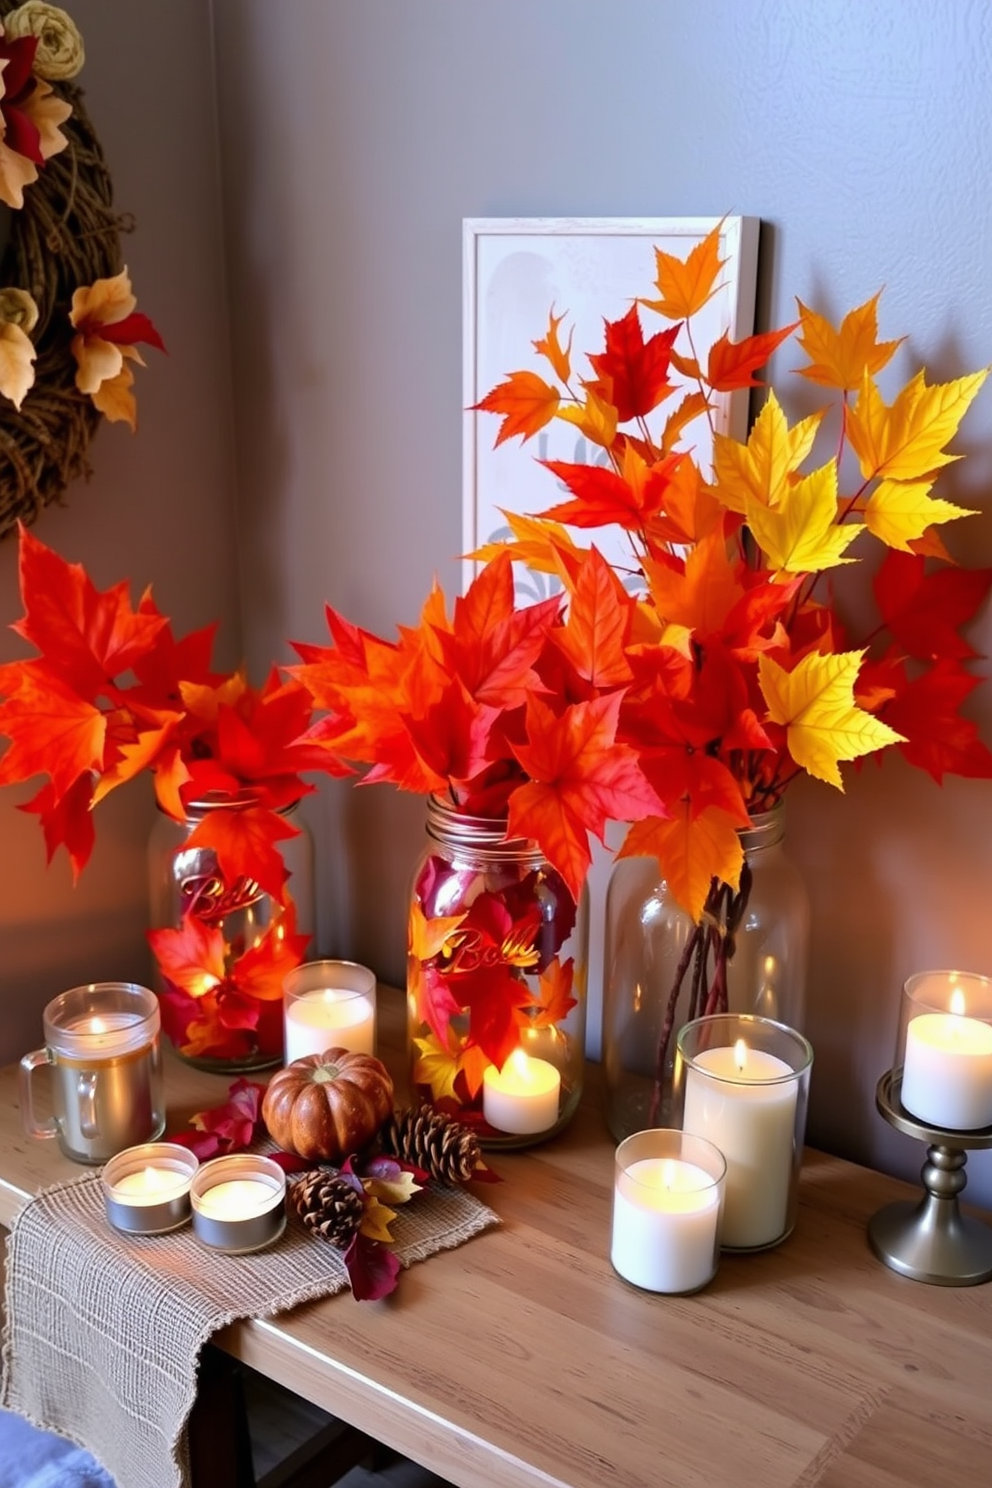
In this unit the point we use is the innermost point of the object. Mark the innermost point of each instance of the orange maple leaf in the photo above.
(692, 850)
(261, 970)
(550, 347)
(244, 842)
(526, 402)
(580, 778)
(88, 636)
(686, 285)
(191, 956)
(732, 364)
(554, 996)
(840, 358)
(596, 625)
(52, 730)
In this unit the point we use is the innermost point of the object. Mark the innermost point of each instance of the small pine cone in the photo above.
(328, 1205)
(433, 1141)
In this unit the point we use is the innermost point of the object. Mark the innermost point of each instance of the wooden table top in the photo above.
(521, 1360)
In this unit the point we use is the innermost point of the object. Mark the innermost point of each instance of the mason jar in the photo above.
(662, 970)
(496, 981)
(221, 1025)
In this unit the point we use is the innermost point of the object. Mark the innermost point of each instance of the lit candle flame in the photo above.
(98, 1025)
(740, 1055)
(519, 1064)
(667, 1173)
(957, 1002)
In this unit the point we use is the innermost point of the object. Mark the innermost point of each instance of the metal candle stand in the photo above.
(932, 1241)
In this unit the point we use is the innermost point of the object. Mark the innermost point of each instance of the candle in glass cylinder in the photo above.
(329, 1005)
(947, 1075)
(744, 1100)
(666, 1210)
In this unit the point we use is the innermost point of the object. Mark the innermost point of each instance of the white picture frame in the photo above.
(515, 269)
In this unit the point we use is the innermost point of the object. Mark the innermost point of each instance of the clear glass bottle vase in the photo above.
(496, 982)
(230, 1018)
(662, 970)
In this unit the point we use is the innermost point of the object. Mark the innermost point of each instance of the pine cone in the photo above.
(328, 1205)
(433, 1141)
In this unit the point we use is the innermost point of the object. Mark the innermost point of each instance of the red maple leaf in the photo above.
(244, 841)
(602, 497)
(632, 372)
(924, 611)
(938, 739)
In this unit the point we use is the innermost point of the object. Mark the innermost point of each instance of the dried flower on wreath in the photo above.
(60, 237)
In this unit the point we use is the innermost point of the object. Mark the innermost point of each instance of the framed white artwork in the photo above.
(515, 271)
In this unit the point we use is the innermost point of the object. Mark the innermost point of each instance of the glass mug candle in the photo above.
(667, 1195)
(743, 1083)
(329, 1005)
(102, 1045)
(944, 1047)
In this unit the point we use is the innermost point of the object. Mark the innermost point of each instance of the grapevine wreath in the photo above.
(68, 324)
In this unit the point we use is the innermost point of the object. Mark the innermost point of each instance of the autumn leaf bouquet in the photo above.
(112, 693)
(684, 688)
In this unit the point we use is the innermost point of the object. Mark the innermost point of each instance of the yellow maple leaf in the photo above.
(899, 512)
(800, 534)
(840, 358)
(906, 442)
(815, 704)
(436, 1066)
(550, 347)
(761, 470)
(691, 851)
(685, 285)
(427, 938)
(596, 418)
(376, 1221)
(397, 1190)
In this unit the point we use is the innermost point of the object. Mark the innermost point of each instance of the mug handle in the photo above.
(32, 1126)
(86, 1096)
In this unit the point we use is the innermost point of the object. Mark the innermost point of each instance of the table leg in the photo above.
(219, 1444)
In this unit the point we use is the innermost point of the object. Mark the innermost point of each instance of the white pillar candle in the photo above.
(521, 1099)
(328, 1018)
(238, 1198)
(665, 1214)
(729, 1100)
(947, 1073)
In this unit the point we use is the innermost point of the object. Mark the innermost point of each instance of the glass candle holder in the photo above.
(743, 1083)
(146, 1188)
(944, 1048)
(329, 1005)
(667, 1195)
(102, 1047)
(239, 1203)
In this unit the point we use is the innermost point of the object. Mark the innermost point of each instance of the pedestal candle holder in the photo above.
(932, 1240)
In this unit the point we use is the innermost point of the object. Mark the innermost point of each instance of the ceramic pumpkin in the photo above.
(327, 1106)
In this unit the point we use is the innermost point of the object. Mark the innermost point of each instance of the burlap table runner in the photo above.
(103, 1331)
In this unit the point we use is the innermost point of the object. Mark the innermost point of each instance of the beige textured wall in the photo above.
(159, 507)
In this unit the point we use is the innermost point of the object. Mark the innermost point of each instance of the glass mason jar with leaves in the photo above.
(496, 981)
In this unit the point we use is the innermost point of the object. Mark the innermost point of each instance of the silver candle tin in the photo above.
(260, 1224)
(154, 1211)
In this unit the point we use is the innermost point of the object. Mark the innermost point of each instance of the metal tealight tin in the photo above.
(146, 1188)
(239, 1203)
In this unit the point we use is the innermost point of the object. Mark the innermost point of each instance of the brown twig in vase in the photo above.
(715, 934)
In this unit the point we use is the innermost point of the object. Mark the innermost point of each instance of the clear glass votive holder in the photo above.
(944, 1049)
(667, 1199)
(329, 1005)
(742, 1082)
(146, 1188)
(239, 1203)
